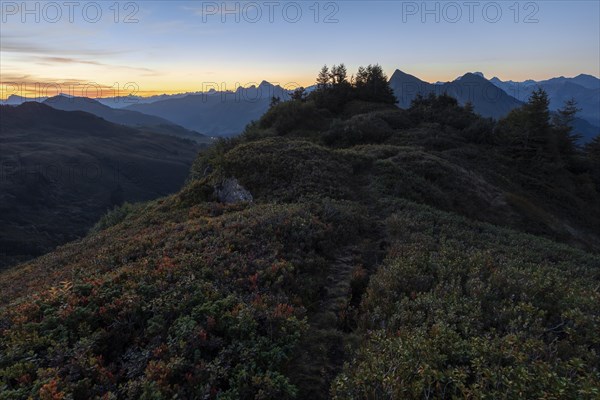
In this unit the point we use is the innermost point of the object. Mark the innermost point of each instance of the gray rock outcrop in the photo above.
(230, 192)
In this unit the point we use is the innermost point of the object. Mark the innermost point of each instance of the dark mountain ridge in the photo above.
(124, 117)
(585, 89)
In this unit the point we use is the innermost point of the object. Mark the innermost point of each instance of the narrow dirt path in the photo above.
(321, 354)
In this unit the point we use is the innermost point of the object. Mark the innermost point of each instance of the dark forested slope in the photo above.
(61, 171)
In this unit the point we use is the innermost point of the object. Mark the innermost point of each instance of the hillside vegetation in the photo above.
(388, 254)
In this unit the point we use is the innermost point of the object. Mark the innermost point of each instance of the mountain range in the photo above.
(487, 99)
(585, 89)
(124, 117)
(16, 100)
(125, 101)
(216, 113)
(226, 113)
(494, 98)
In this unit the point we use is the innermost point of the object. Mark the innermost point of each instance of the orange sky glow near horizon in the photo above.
(96, 89)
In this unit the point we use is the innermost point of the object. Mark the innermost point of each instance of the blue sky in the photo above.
(179, 46)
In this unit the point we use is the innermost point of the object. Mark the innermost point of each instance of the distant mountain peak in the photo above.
(399, 72)
(472, 87)
(32, 105)
(15, 100)
(399, 75)
(73, 99)
(479, 74)
(472, 76)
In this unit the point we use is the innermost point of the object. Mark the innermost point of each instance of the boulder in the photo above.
(230, 191)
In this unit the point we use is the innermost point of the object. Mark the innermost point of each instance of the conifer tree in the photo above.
(362, 76)
(372, 85)
(592, 149)
(323, 79)
(563, 125)
(339, 74)
(299, 94)
(537, 130)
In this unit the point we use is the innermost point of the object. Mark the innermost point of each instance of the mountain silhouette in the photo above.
(15, 100)
(406, 87)
(487, 99)
(496, 98)
(123, 117)
(585, 89)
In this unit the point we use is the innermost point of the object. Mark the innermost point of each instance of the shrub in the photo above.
(470, 311)
(292, 116)
(114, 216)
(288, 170)
(360, 129)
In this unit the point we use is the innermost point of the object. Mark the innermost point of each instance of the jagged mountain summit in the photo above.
(218, 113)
(487, 99)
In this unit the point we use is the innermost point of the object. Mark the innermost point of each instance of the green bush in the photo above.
(288, 170)
(360, 129)
(476, 312)
(293, 116)
(114, 216)
(183, 304)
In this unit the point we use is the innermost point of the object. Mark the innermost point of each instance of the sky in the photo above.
(108, 48)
